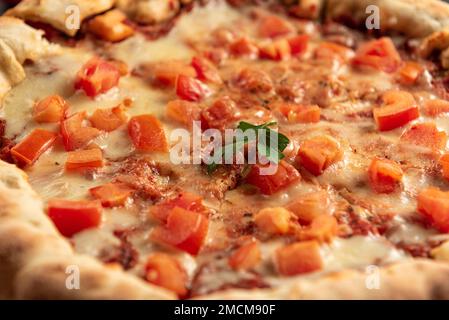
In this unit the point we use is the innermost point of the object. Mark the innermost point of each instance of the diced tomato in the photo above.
(27, 151)
(273, 221)
(318, 153)
(166, 73)
(434, 205)
(277, 50)
(308, 206)
(298, 258)
(165, 271)
(97, 76)
(246, 257)
(298, 44)
(272, 26)
(184, 200)
(435, 107)
(425, 135)
(333, 51)
(190, 89)
(380, 54)
(284, 176)
(110, 27)
(322, 229)
(205, 70)
(444, 162)
(399, 109)
(410, 72)
(50, 109)
(185, 230)
(73, 216)
(223, 111)
(384, 175)
(84, 159)
(112, 194)
(108, 119)
(300, 113)
(184, 112)
(244, 47)
(254, 80)
(74, 134)
(147, 134)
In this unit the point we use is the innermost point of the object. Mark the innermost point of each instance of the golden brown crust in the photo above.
(34, 258)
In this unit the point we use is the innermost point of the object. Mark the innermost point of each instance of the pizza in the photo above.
(118, 179)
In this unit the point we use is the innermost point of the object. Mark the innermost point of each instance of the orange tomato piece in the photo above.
(384, 175)
(147, 134)
(433, 204)
(284, 176)
(298, 258)
(244, 47)
(185, 230)
(380, 54)
(190, 89)
(444, 162)
(97, 76)
(165, 271)
(183, 111)
(410, 72)
(425, 135)
(300, 113)
(308, 206)
(318, 153)
(185, 200)
(73, 216)
(112, 194)
(435, 107)
(110, 26)
(27, 151)
(205, 70)
(322, 229)
(273, 221)
(246, 257)
(50, 109)
(298, 44)
(273, 26)
(277, 50)
(74, 134)
(84, 159)
(166, 73)
(333, 51)
(108, 119)
(399, 109)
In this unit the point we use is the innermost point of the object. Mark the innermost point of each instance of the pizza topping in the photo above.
(184, 200)
(434, 205)
(222, 112)
(255, 81)
(246, 257)
(108, 119)
(444, 162)
(384, 175)
(84, 159)
(97, 76)
(323, 228)
(333, 51)
(205, 70)
(273, 221)
(190, 89)
(318, 153)
(112, 194)
(435, 107)
(165, 271)
(110, 26)
(399, 109)
(183, 111)
(298, 258)
(298, 44)
(74, 134)
(272, 26)
(50, 109)
(425, 135)
(300, 113)
(73, 216)
(379, 54)
(27, 151)
(410, 72)
(285, 175)
(166, 73)
(147, 134)
(309, 206)
(185, 230)
(244, 47)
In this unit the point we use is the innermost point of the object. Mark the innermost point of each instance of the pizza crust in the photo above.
(34, 257)
(56, 13)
